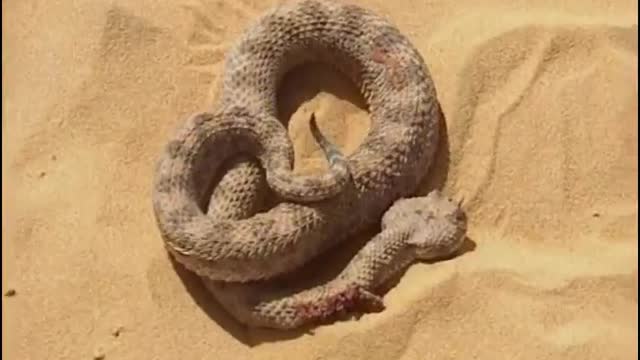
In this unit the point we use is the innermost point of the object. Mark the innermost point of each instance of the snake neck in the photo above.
(382, 257)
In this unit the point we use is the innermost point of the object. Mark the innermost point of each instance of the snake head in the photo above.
(436, 223)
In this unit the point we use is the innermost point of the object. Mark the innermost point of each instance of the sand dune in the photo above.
(541, 112)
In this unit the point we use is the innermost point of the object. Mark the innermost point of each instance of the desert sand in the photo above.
(541, 140)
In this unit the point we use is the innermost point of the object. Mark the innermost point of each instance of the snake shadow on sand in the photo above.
(295, 91)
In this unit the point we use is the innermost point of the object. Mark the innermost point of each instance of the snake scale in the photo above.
(212, 178)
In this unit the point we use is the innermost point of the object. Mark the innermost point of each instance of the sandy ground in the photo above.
(541, 113)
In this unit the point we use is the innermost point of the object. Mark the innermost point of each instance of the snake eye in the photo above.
(419, 211)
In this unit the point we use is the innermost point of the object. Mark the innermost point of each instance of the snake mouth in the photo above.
(443, 252)
(446, 241)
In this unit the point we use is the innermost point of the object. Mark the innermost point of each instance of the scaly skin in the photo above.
(392, 160)
(421, 228)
